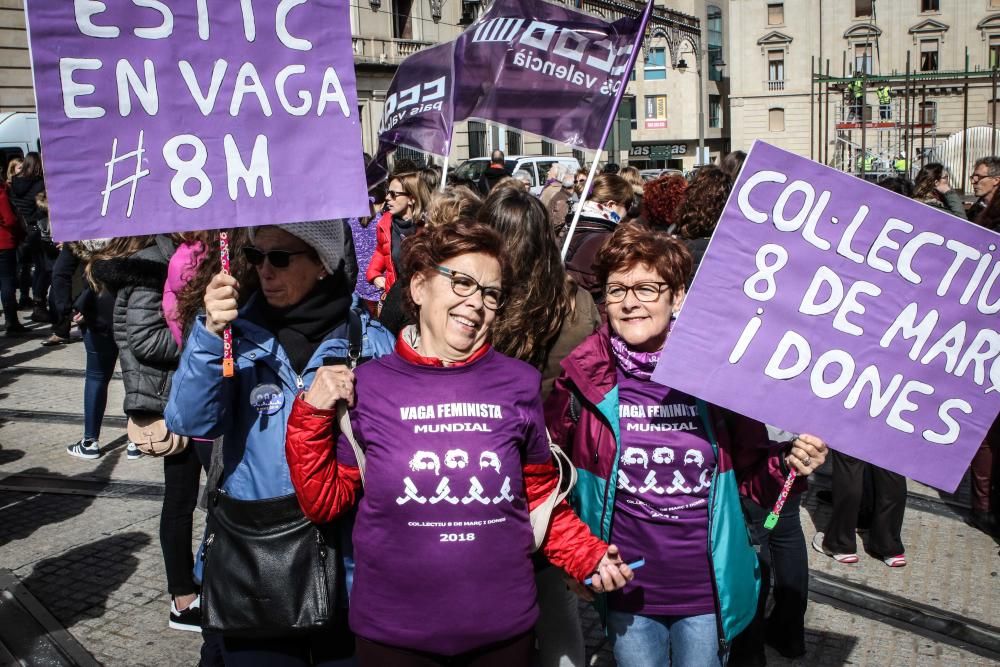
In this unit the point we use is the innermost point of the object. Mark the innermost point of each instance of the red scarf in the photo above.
(405, 350)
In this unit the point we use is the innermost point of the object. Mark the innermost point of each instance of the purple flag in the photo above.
(418, 107)
(546, 69)
(160, 118)
(826, 304)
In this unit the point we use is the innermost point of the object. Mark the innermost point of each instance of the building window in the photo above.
(513, 142)
(416, 157)
(656, 112)
(477, 139)
(930, 6)
(992, 108)
(714, 111)
(655, 68)
(776, 70)
(928, 113)
(548, 148)
(714, 26)
(581, 157)
(863, 58)
(628, 111)
(862, 8)
(776, 13)
(402, 19)
(776, 120)
(994, 59)
(928, 55)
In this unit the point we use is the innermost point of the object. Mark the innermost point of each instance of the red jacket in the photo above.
(326, 489)
(11, 232)
(381, 263)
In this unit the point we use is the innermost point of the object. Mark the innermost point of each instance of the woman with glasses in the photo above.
(933, 187)
(454, 455)
(299, 318)
(660, 468)
(405, 202)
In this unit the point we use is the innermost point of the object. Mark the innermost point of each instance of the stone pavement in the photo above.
(82, 536)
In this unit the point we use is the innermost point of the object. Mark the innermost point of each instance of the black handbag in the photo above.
(268, 570)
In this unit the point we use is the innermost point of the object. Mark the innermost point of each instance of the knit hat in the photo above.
(326, 237)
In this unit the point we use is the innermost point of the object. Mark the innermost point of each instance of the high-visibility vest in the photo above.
(869, 162)
(883, 95)
(857, 88)
(899, 164)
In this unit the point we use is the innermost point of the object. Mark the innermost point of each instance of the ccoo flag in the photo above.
(530, 65)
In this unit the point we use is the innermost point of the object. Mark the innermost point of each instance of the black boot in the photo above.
(40, 313)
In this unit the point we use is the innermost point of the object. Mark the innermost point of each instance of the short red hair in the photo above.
(661, 199)
(633, 243)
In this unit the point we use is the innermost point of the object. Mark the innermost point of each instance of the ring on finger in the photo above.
(807, 461)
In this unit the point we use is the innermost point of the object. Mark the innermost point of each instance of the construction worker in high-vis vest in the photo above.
(900, 165)
(884, 105)
(869, 162)
(857, 93)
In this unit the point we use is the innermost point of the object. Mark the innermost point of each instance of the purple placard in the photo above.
(253, 120)
(546, 69)
(818, 285)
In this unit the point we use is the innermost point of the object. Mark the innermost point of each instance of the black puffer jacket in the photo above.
(147, 351)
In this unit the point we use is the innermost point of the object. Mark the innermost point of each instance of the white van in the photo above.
(18, 136)
(536, 165)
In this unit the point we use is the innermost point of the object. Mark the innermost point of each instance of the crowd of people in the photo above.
(388, 462)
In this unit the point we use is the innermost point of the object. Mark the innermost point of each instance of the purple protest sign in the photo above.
(546, 69)
(828, 305)
(162, 119)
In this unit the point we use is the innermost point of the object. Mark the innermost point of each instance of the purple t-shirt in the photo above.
(661, 502)
(442, 541)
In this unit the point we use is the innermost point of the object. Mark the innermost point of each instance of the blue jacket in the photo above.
(204, 404)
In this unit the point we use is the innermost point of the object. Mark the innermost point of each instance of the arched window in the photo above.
(776, 120)
(714, 26)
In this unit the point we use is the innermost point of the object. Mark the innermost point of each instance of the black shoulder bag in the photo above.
(268, 570)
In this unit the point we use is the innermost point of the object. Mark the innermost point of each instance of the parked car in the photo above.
(18, 135)
(652, 174)
(537, 166)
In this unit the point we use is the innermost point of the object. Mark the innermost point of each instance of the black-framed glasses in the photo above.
(645, 291)
(463, 284)
(392, 194)
(279, 259)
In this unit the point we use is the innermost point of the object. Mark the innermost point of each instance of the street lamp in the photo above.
(682, 66)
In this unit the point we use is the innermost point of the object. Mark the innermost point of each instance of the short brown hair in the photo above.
(633, 243)
(611, 187)
(434, 245)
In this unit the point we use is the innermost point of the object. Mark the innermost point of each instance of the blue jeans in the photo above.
(681, 641)
(102, 353)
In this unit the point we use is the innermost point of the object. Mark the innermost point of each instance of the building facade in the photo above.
(16, 92)
(779, 96)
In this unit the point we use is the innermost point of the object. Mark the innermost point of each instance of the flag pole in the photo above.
(444, 169)
(643, 22)
(579, 206)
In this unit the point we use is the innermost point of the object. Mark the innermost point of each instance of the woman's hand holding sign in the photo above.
(807, 454)
(331, 384)
(221, 302)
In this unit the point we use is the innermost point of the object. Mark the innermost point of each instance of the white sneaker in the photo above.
(85, 448)
(132, 452)
(186, 619)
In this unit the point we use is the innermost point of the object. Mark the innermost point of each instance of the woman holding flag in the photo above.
(660, 470)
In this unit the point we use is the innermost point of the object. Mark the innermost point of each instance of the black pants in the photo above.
(322, 649)
(61, 292)
(8, 285)
(889, 504)
(181, 473)
(782, 554)
(513, 652)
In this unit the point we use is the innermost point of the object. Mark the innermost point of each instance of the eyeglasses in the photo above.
(465, 285)
(580, 180)
(975, 178)
(279, 259)
(647, 292)
(392, 194)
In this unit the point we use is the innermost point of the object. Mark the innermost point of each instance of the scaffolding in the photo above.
(873, 140)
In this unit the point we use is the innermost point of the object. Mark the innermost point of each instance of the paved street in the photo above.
(82, 539)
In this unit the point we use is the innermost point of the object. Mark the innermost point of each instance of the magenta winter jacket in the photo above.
(181, 269)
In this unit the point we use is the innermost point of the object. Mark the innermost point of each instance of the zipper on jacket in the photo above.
(208, 545)
(299, 383)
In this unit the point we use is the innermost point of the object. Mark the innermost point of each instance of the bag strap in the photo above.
(345, 427)
(541, 516)
(355, 341)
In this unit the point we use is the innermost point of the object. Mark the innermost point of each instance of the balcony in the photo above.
(385, 51)
(778, 85)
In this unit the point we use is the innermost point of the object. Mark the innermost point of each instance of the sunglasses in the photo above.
(392, 194)
(279, 259)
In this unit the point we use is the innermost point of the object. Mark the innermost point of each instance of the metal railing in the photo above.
(775, 85)
(385, 51)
